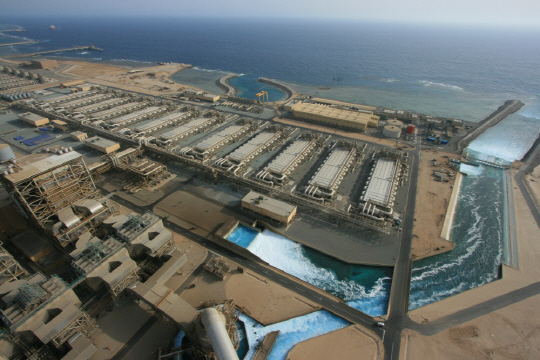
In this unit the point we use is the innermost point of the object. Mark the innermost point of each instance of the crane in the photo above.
(260, 96)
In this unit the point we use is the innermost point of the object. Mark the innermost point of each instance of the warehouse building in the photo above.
(79, 135)
(44, 64)
(274, 209)
(33, 119)
(333, 116)
(103, 145)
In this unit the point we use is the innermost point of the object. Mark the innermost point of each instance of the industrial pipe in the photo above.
(215, 328)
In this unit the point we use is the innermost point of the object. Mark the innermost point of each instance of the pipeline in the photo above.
(217, 333)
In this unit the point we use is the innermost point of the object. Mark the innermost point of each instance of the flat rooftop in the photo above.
(216, 138)
(247, 148)
(185, 127)
(287, 156)
(272, 205)
(330, 170)
(380, 185)
(332, 112)
(159, 121)
(35, 164)
(341, 103)
(100, 142)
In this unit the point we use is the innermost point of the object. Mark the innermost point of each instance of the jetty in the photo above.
(20, 43)
(509, 107)
(14, 30)
(75, 48)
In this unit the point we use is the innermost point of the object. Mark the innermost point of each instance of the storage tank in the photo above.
(395, 122)
(392, 131)
(6, 153)
(410, 129)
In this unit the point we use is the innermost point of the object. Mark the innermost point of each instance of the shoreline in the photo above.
(223, 84)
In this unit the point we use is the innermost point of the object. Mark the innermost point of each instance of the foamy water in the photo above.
(291, 331)
(292, 258)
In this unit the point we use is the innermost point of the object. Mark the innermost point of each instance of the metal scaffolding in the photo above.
(10, 270)
(43, 194)
(83, 324)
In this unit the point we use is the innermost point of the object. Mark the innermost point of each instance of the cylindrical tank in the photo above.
(395, 122)
(6, 153)
(392, 131)
(410, 129)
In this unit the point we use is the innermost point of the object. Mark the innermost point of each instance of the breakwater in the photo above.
(509, 107)
(287, 90)
(223, 85)
(75, 48)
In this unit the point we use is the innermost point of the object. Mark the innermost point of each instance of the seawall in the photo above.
(286, 89)
(223, 85)
(509, 107)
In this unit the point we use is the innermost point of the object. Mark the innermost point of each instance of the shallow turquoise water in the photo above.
(248, 87)
(242, 235)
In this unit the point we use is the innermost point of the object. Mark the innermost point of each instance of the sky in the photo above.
(473, 12)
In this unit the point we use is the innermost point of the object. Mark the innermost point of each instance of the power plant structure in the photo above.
(187, 129)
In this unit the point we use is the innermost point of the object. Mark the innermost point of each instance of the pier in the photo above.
(509, 107)
(14, 30)
(75, 48)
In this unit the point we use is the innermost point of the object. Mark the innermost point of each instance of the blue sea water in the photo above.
(242, 235)
(455, 72)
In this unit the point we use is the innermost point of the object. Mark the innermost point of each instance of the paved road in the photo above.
(527, 167)
(328, 302)
(401, 281)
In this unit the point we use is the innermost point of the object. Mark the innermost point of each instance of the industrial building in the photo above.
(44, 64)
(10, 269)
(162, 122)
(187, 129)
(333, 116)
(87, 100)
(42, 311)
(143, 234)
(106, 263)
(118, 110)
(33, 119)
(274, 209)
(212, 330)
(58, 193)
(208, 146)
(200, 95)
(102, 145)
(388, 171)
(343, 158)
(79, 135)
(101, 105)
(351, 106)
(281, 167)
(257, 145)
(137, 116)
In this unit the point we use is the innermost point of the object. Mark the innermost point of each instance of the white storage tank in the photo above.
(6, 153)
(395, 122)
(392, 131)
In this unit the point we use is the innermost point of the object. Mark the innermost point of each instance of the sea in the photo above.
(463, 72)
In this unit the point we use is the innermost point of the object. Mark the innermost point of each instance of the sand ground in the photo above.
(151, 80)
(351, 135)
(263, 300)
(511, 332)
(432, 200)
(352, 342)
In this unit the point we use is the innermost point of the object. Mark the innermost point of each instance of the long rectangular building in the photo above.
(379, 189)
(332, 116)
